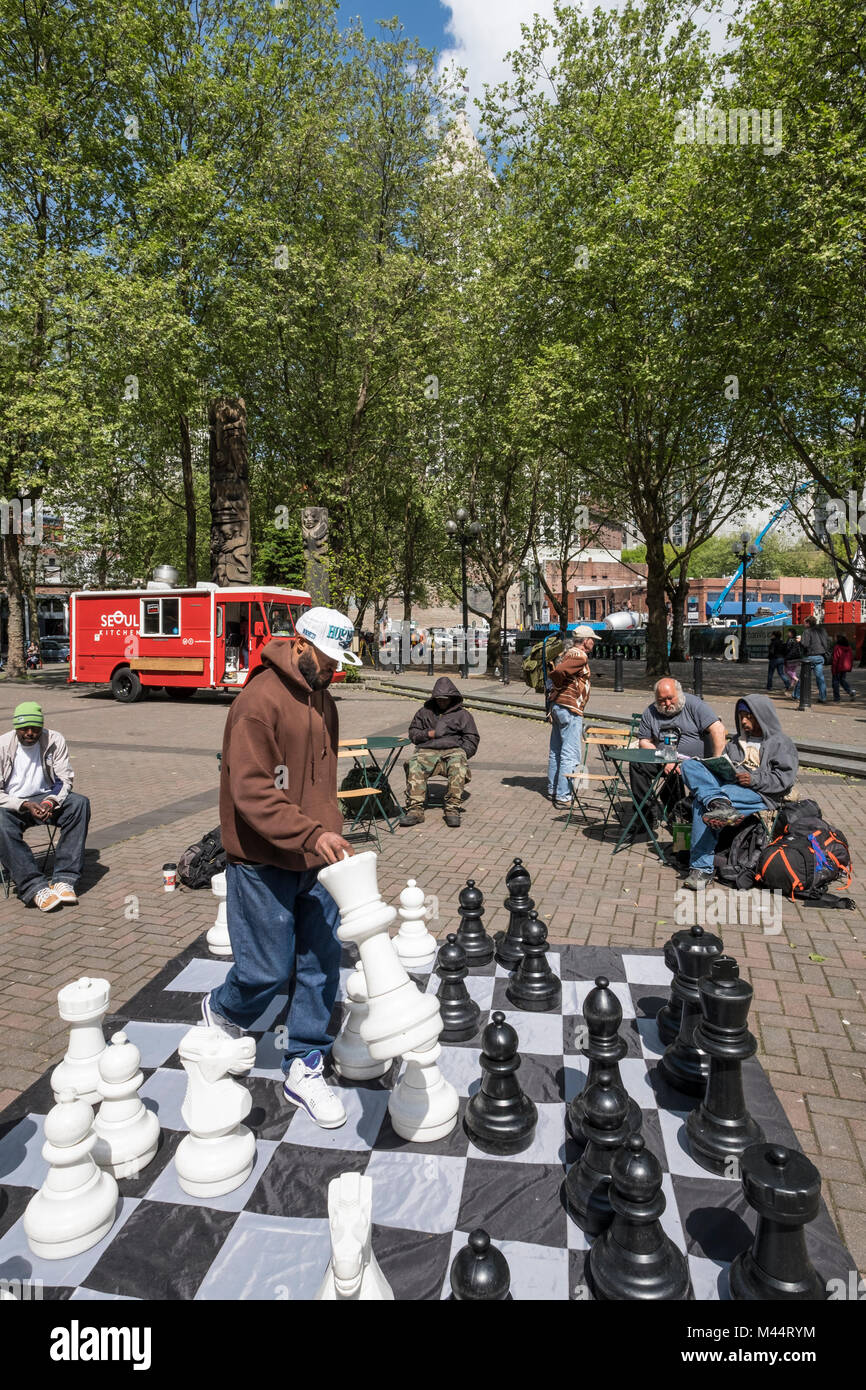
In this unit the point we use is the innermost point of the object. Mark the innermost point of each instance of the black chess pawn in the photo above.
(509, 944)
(784, 1188)
(604, 1048)
(669, 1015)
(605, 1129)
(471, 934)
(534, 986)
(460, 1013)
(480, 1272)
(634, 1259)
(684, 1065)
(721, 1129)
(500, 1119)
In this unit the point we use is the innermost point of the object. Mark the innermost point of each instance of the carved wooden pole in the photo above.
(229, 492)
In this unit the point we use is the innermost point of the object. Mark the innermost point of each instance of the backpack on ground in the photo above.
(738, 852)
(799, 817)
(354, 780)
(803, 866)
(198, 864)
(542, 656)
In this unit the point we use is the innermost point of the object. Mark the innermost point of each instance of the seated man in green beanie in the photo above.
(36, 787)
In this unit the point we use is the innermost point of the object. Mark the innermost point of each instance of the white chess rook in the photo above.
(127, 1133)
(399, 1016)
(219, 943)
(423, 1105)
(353, 1272)
(414, 944)
(350, 1054)
(77, 1203)
(218, 1153)
(84, 1004)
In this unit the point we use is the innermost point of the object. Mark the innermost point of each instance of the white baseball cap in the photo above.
(329, 632)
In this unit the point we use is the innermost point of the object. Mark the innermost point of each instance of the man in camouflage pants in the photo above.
(445, 738)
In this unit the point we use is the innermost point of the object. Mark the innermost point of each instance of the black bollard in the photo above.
(805, 686)
(698, 664)
(617, 674)
(430, 661)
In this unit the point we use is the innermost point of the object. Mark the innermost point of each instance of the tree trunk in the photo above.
(15, 666)
(229, 492)
(188, 499)
(657, 621)
(495, 642)
(677, 593)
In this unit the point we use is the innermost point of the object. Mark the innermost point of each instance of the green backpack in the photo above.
(542, 656)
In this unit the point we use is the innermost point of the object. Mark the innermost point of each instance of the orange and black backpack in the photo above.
(804, 861)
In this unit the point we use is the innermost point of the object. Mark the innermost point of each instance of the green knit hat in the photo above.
(28, 716)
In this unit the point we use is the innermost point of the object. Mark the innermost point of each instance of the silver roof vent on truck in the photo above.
(164, 577)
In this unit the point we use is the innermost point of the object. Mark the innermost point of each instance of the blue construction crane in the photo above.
(716, 608)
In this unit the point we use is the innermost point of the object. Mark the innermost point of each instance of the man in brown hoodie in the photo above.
(281, 824)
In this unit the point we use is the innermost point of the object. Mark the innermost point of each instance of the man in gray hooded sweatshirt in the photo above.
(766, 761)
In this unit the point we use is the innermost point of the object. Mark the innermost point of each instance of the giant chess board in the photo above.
(269, 1239)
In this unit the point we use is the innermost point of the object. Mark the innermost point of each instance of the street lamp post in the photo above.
(463, 531)
(748, 550)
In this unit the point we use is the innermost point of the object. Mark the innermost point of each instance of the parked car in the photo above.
(54, 648)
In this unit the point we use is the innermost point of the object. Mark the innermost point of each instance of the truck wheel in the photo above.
(180, 692)
(125, 686)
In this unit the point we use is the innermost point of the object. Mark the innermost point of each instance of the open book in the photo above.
(720, 766)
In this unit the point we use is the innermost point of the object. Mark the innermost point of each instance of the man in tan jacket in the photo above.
(281, 824)
(571, 682)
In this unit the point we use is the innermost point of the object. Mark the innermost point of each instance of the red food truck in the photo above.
(179, 640)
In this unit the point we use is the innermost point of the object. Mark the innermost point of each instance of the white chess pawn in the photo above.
(127, 1133)
(218, 1153)
(351, 1055)
(399, 1016)
(353, 1272)
(83, 1004)
(423, 1105)
(218, 940)
(76, 1205)
(414, 944)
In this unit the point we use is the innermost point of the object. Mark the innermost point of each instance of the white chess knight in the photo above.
(84, 1004)
(77, 1203)
(414, 944)
(423, 1105)
(218, 1153)
(399, 1016)
(127, 1133)
(353, 1272)
(351, 1055)
(219, 943)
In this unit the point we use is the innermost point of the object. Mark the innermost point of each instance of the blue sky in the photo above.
(422, 19)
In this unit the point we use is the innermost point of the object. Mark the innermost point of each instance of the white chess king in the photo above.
(399, 1016)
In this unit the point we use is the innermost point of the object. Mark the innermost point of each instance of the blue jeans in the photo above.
(841, 680)
(282, 926)
(565, 734)
(705, 788)
(777, 664)
(73, 817)
(817, 664)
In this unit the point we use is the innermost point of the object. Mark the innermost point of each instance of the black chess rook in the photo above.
(460, 1013)
(500, 1119)
(605, 1129)
(509, 944)
(534, 986)
(634, 1260)
(784, 1188)
(471, 934)
(721, 1129)
(604, 1048)
(479, 1272)
(684, 1065)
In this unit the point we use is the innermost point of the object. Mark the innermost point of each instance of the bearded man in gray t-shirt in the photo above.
(686, 723)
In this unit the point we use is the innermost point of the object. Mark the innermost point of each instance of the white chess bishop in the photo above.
(218, 1153)
(77, 1203)
(414, 944)
(127, 1133)
(84, 1004)
(399, 1017)
(353, 1272)
(219, 943)
(350, 1054)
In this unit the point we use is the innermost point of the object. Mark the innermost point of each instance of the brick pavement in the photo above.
(151, 774)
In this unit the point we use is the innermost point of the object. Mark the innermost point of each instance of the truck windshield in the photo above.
(281, 618)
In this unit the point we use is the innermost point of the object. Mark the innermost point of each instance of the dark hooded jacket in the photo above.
(777, 771)
(278, 787)
(454, 726)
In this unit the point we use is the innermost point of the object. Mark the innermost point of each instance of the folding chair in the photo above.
(48, 852)
(608, 779)
(367, 812)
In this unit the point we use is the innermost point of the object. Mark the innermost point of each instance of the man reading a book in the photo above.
(764, 770)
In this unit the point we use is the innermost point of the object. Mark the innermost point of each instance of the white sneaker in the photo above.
(306, 1086)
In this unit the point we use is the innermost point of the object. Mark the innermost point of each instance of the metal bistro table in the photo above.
(389, 751)
(646, 756)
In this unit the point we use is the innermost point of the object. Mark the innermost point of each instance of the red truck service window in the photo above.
(160, 617)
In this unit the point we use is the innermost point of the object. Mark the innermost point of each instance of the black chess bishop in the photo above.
(479, 1272)
(684, 1065)
(460, 1013)
(721, 1129)
(471, 934)
(534, 986)
(500, 1119)
(634, 1259)
(604, 1048)
(509, 944)
(784, 1188)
